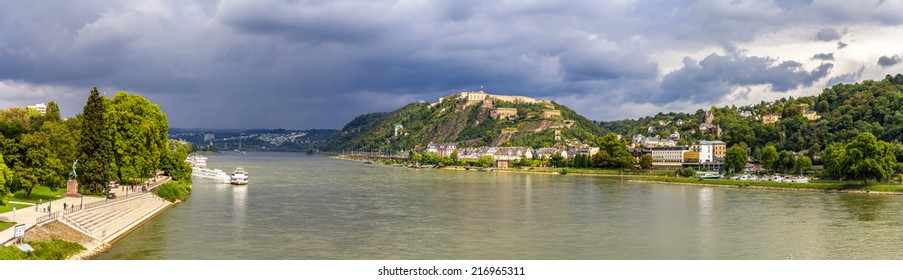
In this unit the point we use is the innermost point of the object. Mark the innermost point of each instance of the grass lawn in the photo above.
(37, 194)
(5, 225)
(826, 185)
(53, 250)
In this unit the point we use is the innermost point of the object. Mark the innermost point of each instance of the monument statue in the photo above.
(73, 175)
(72, 185)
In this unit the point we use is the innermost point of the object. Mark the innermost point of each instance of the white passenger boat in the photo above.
(199, 168)
(239, 177)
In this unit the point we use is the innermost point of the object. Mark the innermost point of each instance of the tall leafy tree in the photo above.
(803, 164)
(39, 166)
(174, 163)
(53, 112)
(786, 160)
(646, 161)
(735, 158)
(5, 178)
(485, 161)
(769, 157)
(601, 159)
(869, 158)
(864, 158)
(95, 148)
(139, 132)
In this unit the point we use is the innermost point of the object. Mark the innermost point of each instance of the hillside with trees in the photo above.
(845, 111)
(468, 124)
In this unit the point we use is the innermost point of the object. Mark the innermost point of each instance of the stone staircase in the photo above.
(106, 220)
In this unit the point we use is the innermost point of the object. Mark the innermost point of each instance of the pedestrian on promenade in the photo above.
(65, 206)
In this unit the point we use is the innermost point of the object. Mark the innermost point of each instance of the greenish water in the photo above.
(303, 207)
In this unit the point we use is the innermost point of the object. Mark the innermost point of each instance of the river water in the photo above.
(304, 207)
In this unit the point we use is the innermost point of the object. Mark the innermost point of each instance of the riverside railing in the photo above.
(56, 215)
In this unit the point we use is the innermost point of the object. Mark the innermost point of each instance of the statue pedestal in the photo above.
(72, 189)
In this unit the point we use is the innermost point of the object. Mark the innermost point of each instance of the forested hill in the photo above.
(467, 122)
(844, 111)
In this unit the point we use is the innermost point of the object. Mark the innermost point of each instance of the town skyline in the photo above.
(303, 65)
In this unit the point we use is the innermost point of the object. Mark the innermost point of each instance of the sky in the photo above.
(298, 64)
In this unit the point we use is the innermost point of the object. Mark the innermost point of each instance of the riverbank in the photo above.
(667, 177)
(101, 223)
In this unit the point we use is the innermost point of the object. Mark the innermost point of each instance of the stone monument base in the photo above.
(72, 189)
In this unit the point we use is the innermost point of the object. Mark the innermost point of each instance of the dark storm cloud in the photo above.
(887, 61)
(714, 77)
(305, 64)
(823, 56)
(848, 78)
(827, 34)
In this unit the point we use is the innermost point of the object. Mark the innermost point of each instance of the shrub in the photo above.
(686, 172)
(173, 191)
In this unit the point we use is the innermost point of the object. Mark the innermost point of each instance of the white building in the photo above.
(41, 107)
(710, 151)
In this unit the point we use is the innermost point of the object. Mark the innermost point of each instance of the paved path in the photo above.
(28, 215)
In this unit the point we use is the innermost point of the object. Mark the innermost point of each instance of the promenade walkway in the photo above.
(103, 219)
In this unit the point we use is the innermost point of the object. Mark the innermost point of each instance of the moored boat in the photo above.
(239, 177)
(199, 168)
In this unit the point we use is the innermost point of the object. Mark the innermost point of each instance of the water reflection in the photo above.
(706, 228)
(304, 207)
(864, 207)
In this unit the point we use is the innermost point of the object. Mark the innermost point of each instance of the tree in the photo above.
(39, 166)
(139, 132)
(769, 157)
(174, 163)
(863, 158)
(454, 156)
(869, 158)
(53, 112)
(557, 160)
(416, 158)
(803, 164)
(786, 160)
(646, 161)
(5, 178)
(485, 161)
(735, 158)
(601, 159)
(95, 148)
(622, 159)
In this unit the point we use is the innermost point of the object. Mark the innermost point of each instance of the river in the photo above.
(305, 207)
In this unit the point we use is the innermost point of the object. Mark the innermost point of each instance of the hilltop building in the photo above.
(41, 107)
(503, 113)
(811, 115)
(548, 114)
(771, 118)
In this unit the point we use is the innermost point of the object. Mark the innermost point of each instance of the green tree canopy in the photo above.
(646, 161)
(139, 133)
(95, 148)
(769, 157)
(485, 161)
(803, 164)
(174, 163)
(864, 158)
(735, 158)
(5, 178)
